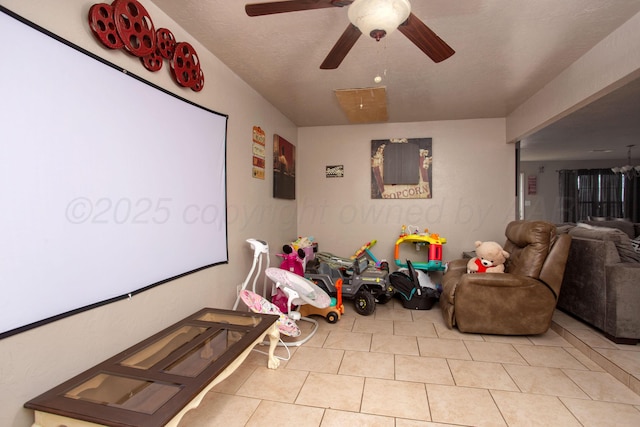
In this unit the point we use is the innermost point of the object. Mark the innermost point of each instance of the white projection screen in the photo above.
(109, 186)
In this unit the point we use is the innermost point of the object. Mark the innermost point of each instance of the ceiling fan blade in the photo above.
(341, 48)
(259, 9)
(423, 37)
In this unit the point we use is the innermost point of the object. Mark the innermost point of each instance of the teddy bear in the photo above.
(490, 258)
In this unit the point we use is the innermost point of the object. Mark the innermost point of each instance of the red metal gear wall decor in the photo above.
(126, 24)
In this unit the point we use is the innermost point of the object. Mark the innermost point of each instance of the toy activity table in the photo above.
(434, 243)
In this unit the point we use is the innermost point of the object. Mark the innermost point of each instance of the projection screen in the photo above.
(109, 185)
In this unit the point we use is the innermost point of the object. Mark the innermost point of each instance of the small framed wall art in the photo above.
(334, 171)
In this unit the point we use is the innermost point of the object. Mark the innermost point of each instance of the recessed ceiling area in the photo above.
(600, 130)
(366, 105)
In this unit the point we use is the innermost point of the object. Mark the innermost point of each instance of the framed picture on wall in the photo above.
(284, 168)
(401, 168)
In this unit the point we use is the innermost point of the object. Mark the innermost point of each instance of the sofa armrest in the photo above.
(622, 301)
(600, 247)
(583, 289)
(457, 265)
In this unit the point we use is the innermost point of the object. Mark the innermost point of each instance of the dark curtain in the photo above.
(588, 193)
(632, 199)
(568, 195)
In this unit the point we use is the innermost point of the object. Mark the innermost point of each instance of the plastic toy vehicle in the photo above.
(331, 313)
(364, 285)
(292, 260)
(366, 250)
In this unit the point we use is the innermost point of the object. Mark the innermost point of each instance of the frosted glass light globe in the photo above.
(373, 16)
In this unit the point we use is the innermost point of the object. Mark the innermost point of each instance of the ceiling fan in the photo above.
(374, 17)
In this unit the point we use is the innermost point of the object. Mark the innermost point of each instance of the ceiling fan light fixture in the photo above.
(378, 18)
(627, 170)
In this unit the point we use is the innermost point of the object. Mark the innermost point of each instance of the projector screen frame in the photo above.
(143, 287)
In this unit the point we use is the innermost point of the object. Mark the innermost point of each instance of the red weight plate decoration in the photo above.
(135, 27)
(153, 61)
(103, 25)
(197, 87)
(127, 24)
(185, 65)
(165, 42)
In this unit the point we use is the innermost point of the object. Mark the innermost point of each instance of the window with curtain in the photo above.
(586, 193)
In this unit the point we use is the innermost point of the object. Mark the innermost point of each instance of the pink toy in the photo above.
(292, 261)
(280, 300)
(257, 304)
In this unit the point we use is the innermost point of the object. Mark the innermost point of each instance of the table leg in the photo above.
(274, 337)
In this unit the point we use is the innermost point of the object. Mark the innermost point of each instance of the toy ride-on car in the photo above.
(365, 286)
(331, 313)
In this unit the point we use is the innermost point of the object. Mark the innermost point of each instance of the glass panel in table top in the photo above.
(122, 392)
(203, 355)
(155, 352)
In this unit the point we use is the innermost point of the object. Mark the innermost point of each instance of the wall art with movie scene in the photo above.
(284, 168)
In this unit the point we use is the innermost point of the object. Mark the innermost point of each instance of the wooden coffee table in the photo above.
(157, 381)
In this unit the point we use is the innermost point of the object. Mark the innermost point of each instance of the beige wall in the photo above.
(473, 186)
(34, 361)
(473, 198)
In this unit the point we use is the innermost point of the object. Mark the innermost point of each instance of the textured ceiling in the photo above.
(506, 50)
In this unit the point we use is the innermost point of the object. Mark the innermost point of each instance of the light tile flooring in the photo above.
(405, 368)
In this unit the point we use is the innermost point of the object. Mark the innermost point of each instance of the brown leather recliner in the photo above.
(520, 301)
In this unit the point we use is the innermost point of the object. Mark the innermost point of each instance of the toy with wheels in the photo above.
(292, 260)
(366, 250)
(333, 313)
(366, 286)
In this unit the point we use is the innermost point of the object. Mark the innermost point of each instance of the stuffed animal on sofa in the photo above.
(490, 258)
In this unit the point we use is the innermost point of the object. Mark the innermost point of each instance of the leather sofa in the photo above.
(520, 301)
(602, 280)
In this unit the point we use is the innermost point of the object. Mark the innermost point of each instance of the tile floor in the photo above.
(404, 368)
